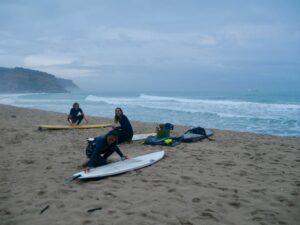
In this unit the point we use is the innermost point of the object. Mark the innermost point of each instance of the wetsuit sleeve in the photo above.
(80, 110)
(118, 151)
(111, 150)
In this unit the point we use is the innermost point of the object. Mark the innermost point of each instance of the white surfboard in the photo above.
(121, 166)
(138, 137)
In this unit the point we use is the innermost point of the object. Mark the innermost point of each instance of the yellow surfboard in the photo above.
(64, 127)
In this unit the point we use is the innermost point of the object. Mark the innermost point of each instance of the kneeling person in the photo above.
(125, 131)
(104, 147)
(76, 115)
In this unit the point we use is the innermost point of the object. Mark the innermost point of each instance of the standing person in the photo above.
(76, 115)
(104, 147)
(125, 132)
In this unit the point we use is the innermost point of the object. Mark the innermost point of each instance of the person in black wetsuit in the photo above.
(125, 132)
(76, 115)
(104, 147)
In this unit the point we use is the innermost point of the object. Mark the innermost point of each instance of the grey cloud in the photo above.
(170, 39)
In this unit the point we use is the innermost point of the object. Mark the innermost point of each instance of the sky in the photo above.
(156, 45)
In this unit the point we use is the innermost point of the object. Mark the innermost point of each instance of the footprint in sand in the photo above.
(295, 193)
(263, 212)
(61, 206)
(259, 215)
(226, 163)
(183, 221)
(41, 192)
(209, 215)
(27, 161)
(185, 177)
(63, 148)
(66, 191)
(110, 212)
(48, 168)
(144, 180)
(4, 197)
(235, 204)
(196, 200)
(5, 212)
(107, 193)
(172, 190)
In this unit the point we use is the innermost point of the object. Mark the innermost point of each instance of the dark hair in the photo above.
(118, 118)
(75, 104)
(113, 133)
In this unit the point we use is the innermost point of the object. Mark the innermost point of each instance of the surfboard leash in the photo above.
(70, 179)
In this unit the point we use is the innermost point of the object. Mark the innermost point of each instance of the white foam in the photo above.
(222, 108)
(11, 99)
(279, 119)
(7, 101)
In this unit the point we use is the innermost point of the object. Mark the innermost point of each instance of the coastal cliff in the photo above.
(21, 80)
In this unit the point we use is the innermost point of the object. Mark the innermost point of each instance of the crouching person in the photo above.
(104, 146)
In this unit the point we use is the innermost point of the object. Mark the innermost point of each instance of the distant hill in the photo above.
(21, 80)
(67, 84)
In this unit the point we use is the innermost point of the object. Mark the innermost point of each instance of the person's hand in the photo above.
(125, 157)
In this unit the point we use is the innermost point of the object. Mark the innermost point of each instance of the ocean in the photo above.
(249, 111)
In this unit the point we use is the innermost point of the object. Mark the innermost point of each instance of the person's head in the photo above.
(75, 105)
(112, 137)
(118, 114)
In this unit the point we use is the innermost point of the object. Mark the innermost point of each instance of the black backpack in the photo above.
(194, 134)
(198, 130)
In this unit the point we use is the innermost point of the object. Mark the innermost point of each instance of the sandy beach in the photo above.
(237, 179)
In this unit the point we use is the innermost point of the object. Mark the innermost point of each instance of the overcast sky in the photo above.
(156, 44)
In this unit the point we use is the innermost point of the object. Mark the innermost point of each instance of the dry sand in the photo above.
(240, 178)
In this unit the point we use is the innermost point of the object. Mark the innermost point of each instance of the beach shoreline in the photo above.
(262, 114)
(239, 178)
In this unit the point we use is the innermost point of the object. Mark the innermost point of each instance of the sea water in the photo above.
(251, 111)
